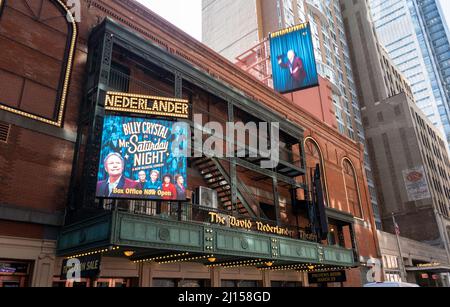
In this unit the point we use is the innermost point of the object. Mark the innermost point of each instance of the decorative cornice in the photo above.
(23, 214)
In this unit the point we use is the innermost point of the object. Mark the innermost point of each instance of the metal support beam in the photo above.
(232, 160)
(97, 85)
(340, 234)
(354, 244)
(268, 173)
(178, 85)
(304, 166)
(276, 199)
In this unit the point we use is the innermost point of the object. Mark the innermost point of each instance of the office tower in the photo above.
(416, 38)
(403, 143)
(233, 27)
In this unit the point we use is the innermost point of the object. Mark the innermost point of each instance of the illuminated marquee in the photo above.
(149, 105)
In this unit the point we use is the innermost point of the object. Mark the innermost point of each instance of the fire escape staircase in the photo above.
(218, 179)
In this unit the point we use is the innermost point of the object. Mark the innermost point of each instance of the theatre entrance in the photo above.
(97, 283)
(14, 274)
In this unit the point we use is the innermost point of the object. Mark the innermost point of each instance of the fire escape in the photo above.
(256, 61)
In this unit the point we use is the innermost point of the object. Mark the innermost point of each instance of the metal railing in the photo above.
(187, 212)
(243, 193)
(121, 82)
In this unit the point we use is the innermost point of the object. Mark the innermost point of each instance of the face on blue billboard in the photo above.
(143, 159)
(293, 62)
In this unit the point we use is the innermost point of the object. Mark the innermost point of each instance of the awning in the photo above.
(114, 233)
(431, 269)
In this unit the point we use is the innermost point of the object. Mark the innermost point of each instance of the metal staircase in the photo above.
(218, 179)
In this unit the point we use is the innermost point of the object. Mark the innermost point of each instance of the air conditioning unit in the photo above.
(206, 197)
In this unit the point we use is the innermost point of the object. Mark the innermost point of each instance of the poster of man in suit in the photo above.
(134, 154)
(293, 62)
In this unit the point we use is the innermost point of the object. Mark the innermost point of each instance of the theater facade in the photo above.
(118, 95)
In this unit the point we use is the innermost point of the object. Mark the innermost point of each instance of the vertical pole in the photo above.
(402, 263)
(340, 232)
(232, 158)
(294, 210)
(276, 199)
(180, 210)
(354, 245)
(178, 85)
(304, 167)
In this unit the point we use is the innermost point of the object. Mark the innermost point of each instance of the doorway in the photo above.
(14, 274)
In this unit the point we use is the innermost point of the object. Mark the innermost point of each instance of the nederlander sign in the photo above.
(233, 222)
(149, 105)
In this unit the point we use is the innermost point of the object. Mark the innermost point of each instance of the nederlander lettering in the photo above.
(272, 229)
(123, 102)
(232, 221)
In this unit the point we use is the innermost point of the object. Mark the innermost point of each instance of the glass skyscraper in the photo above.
(416, 37)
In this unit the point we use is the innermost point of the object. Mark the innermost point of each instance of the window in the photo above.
(269, 211)
(286, 284)
(240, 284)
(4, 132)
(180, 283)
(314, 157)
(38, 88)
(120, 77)
(352, 188)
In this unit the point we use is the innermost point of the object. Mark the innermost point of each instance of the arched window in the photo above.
(314, 156)
(37, 41)
(352, 188)
(2, 2)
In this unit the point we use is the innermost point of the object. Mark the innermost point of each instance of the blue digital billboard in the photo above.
(143, 159)
(293, 62)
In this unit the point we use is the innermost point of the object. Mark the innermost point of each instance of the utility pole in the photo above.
(402, 263)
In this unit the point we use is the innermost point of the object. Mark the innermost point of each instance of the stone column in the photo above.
(44, 266)
(145, 274)
(215, 277)
(305, 279)
(43, 271)
(266, 279)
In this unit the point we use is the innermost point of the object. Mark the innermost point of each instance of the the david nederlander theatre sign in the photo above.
(149, 105)
(233, 222)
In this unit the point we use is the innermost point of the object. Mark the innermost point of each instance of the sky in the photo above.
(187, 14)
(445, 4)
